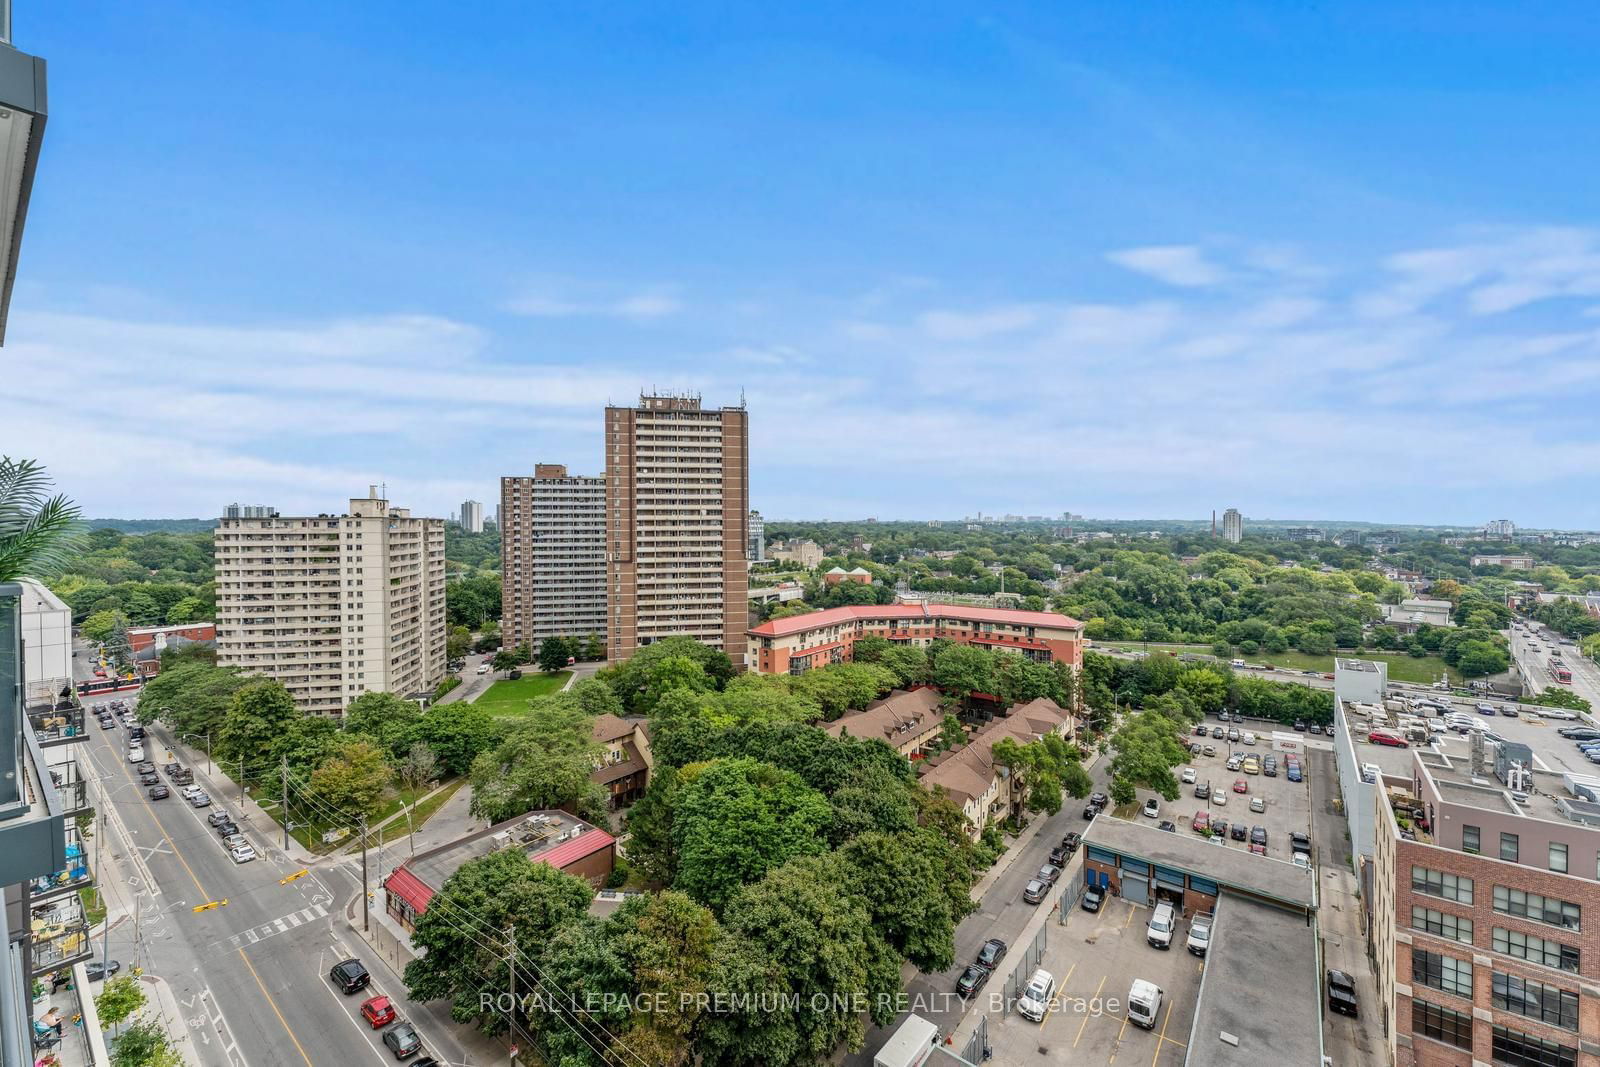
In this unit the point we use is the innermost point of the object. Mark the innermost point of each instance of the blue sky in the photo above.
(1329, 261)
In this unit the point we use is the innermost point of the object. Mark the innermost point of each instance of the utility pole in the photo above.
(208, 751)
(241, 783)
(364, 896)
(105, 923)
(284, 767)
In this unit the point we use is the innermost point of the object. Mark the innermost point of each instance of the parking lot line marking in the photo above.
(1120, 1031)
(1086, 1016)
(1160, 1038)
(1046, 1020)
(1129, 919)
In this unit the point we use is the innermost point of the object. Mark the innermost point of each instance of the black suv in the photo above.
(992, 952)
(1238, 831)
(350, 976)
(1258, 835)
(1092, 898)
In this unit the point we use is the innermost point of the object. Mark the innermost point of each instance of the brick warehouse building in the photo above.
(1486, 917)
(800, 642)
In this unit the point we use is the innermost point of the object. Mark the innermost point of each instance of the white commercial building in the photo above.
(46, 635)
(334, 606)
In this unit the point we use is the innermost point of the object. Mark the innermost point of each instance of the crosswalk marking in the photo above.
(280, 925)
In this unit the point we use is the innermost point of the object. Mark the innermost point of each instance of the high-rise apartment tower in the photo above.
(677, 524)
(334, 606)
(553, 556)
(472, 516)
(1232, 526)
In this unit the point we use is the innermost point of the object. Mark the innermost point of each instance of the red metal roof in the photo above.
(574, 849)
(795, 624)
(409, 888)
(417, 893)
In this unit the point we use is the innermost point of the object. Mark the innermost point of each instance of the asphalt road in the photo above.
(1532, 653)
(1001, 913)
(250, 974)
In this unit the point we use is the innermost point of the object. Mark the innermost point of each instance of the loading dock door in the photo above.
(1135, 889)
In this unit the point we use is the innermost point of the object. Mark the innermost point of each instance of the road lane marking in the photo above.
(368, 1034)
(273, 927)
(273, 1004)
(160, 826)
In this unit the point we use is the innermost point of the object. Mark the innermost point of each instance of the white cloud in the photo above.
(1181, 265)
(567, 299)
(977, 325)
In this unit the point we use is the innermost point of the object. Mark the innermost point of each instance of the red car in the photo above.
(1257, 850)
(1384, 737)
(1202, 821)
(377, 1011)
(1241, 786)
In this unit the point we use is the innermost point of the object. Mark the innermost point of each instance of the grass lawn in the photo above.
(309, 834)
(506, 698)
(94, 908)
(424, 810)
(1402, 668)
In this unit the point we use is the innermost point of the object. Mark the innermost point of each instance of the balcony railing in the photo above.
(59, 723)
(60, 934)
(75, 875)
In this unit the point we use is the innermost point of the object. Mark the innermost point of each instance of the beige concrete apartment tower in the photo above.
(334, 606)
(553, 556)
(677, 524)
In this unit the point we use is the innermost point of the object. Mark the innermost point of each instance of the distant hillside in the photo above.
(144, 526)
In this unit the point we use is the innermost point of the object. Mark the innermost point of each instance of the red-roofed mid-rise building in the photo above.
(795, 644)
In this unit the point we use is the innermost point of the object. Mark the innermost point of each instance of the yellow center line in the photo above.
(273, 1004)
(1085, 1022)
(162, 828)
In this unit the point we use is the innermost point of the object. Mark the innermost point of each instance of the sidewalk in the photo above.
(163, 1006)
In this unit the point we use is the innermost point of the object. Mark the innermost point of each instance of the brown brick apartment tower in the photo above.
(552, 552)
(677, 524)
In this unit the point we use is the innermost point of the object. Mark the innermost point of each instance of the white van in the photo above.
(1035, 1000)
(136, 754)
(1144, 1003)
(1162, 923)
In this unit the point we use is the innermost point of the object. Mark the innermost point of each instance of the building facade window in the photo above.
(1517, 1049)
(1510, 848)
(1440, 884)
(1445, 973)
(1441, 1024)
(1546, 1003)
(1536, 950)
(1469, 839)
(1441, 924)
(1558, 857)
(1540, 909)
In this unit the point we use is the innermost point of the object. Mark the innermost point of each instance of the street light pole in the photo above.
(364, 894)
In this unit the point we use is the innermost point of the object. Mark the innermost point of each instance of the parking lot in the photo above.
(1288, 804)
(1095, 957)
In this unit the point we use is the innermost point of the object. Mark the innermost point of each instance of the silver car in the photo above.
(242, 853)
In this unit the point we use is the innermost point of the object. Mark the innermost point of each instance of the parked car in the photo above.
(1189, 776)
(1201, 822)
(1235, 762)
(1384, 737)
(1090, 811)
(1258, 803)
(1034, 1003)
(1241, 786)
(149, 779)
(1163, 921)
(1295, 775)
(1070, 842)
(350, 976)
(97, 970)
(971, 980)
(1217, 733)
(199, 800)
(1219, 798)
(992, 952)
(1299, 841)
(218, 817)
(1093, 897)
(1239, 831)
(1099, 800)
(1248, 738)
(1202, 790)
(1208, 750)
(1233, 734)
(1034, 891)
(136, 754)
(403, 1040)
(1059, 856)
(1200, 934)
(1200, 730)
(1300, 726)
(1258, 835)
(378, 1011)
(1219, 827)
(1049, 874)
(1152, 808)
(1342, 994)
(1168, 825)
(159, 792)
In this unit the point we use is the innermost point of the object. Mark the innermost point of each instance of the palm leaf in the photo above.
(38, 534)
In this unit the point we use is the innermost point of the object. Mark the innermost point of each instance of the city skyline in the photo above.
(1279, 268)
